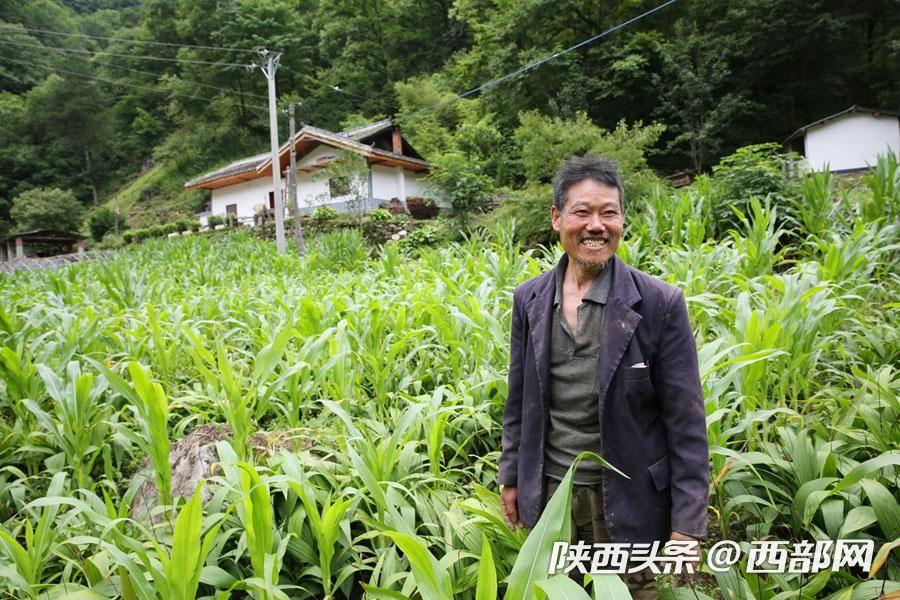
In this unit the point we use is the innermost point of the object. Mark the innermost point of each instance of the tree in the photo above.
(101, 222)
(695, 93)
(46, 208)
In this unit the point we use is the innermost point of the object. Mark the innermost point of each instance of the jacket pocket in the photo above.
(661, 473)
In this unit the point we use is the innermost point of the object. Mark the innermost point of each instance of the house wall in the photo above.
(313, 189)
(852, 141)
(245, 195)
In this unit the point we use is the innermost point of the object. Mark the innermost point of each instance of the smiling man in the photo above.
(602, 358)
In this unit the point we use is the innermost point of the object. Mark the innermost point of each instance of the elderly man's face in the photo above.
(591, 222)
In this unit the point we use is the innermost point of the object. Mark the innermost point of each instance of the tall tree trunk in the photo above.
(90, 174)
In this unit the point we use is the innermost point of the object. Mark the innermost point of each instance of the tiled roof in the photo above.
(243, 165)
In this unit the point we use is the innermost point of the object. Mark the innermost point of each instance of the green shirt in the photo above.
(574, 380)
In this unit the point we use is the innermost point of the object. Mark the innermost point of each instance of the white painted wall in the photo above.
(246, 195)
(313, 189)
(852, 141)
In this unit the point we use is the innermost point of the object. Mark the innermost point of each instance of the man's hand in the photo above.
(680, 537)
(509, 497)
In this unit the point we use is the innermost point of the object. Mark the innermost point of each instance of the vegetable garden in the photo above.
(384, 377)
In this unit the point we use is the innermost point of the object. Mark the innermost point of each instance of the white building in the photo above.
(848, 141)
(393, 170)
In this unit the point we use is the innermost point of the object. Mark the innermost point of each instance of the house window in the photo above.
(339, 186)
(231, 209)
(272, 200)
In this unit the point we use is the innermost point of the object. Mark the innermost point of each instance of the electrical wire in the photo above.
(119, 54)
(126, 40)
(329, 86)
(139, 71)
(540, 62)
(122, 83)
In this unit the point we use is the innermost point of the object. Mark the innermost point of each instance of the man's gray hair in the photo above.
(579, 168)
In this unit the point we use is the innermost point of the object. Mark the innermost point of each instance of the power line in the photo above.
(546, 59)
(197, 83)
(329, 86)
(121, 83)
(126, 40)
(119, 54)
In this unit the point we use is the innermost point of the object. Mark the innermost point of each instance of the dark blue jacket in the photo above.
(652, 418)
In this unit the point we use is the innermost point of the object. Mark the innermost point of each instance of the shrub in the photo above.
(101, 222)
(169, 228)
(112, 241)
(345, 249)
(142, 234)
(427, 235)
(324, 213)
(47, 208)
(129, 236)
(401, 218)
(213, 220)
(422, 208)
(757, 171)
(154, 231)
(380, 214)
(183, 225)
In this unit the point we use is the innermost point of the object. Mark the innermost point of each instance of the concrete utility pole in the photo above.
(271, 65)
(292, 191)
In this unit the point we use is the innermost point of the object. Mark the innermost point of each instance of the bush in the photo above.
(155, 231)
(142, 234)
(756, 171)
(213, 220)
(427, 235)
(345, 249)
(47, 208)
(169, 228)
(462, 182)
(101, 222)
(401, 218)
(129, 236)
(112, 241)
(422, 208)
(380, 214)
(324, 213)
(231, 220)
(183, 225)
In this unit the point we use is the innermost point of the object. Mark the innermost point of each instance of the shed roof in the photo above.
(853, 109)
(45, 235)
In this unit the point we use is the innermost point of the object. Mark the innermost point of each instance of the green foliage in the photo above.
(213, 220)
(426, 235)
(546, 142)
(461, 180)
(47, 208)
(344, 249)
(324, 213)
(101, 221)
(753, 171)
(380, 215)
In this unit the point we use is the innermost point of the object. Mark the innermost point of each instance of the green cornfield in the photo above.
(361, 395)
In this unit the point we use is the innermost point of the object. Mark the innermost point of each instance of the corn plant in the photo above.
(78, 424)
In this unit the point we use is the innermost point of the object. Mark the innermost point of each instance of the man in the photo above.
(602, 358)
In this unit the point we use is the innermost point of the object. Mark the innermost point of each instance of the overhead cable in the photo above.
(122, 55)
(121, 83)
(540, 62)
(126, 40)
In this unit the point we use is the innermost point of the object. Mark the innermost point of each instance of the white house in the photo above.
(848, 141)
(393, 170)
